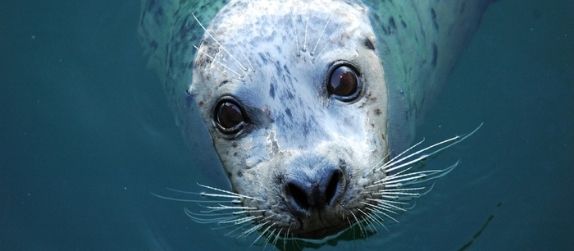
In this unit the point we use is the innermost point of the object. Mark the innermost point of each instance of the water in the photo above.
(86, 135)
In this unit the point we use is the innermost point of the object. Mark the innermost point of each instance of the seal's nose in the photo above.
(307, 192)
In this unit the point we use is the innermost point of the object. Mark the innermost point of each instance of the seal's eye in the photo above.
(344, 84)
(229, 118)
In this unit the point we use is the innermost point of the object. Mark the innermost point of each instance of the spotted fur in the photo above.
(274, 58)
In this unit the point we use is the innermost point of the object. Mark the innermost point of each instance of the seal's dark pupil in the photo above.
(229, 115)
(343, 82)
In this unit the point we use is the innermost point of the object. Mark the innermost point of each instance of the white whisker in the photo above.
(207, 213)
(218, 43)
(296, 34)
(262, 234)
(381, 210)
(181, 191)
(396, 194)
(252, 229)
(379, 163)
(286, 237)
(207, 220)
(388, 205)
(394, 202)
(416, 177)
(359, 224)
(222, 207)
(375, 217)
(241, 220)
(268, 238)
(369, 220)
(445, 144)
(396, 157)
(380, 219)
(232, 232)
(204, 194)
(277, 236)
(405, 189)
(214, 60)
(230, 193)
(305, 39)
(320, 36)
(241, 212)
(249, 62)
(171, 198)
(188, 200)
(396, 165)
(346, 217)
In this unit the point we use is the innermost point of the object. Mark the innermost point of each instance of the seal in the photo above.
(311, 105)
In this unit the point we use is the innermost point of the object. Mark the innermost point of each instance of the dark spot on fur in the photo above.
(286, 69)
(272, 91)
(433, 16)
(288, 112)
(239, 174)
(369, 44)
(235, 154)
(200, 103)
(263, 58)
(290, 95)
(234, 144)
(378, 112)
(434, 54)
(279, 179)
(277, 66)
(305, 129)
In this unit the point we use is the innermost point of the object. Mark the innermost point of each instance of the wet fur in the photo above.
(276, 65)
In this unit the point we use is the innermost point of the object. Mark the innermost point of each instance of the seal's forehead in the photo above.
(253, 20)
(259, 31)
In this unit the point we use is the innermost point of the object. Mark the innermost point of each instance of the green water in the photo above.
(86, 136)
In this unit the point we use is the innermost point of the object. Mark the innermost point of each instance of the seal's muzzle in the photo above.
(313, 186)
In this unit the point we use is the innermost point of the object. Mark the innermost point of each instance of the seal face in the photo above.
(308, 124)
(296, 99)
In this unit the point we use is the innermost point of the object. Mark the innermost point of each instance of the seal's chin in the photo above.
(322, 233)
(325, 224)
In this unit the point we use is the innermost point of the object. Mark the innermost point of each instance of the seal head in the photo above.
(310, 104)
(295, 97)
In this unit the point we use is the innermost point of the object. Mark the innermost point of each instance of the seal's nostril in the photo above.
(317, 191)
(333, 185)
(298, 195)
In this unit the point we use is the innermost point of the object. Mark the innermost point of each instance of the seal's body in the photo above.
(309, 103)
